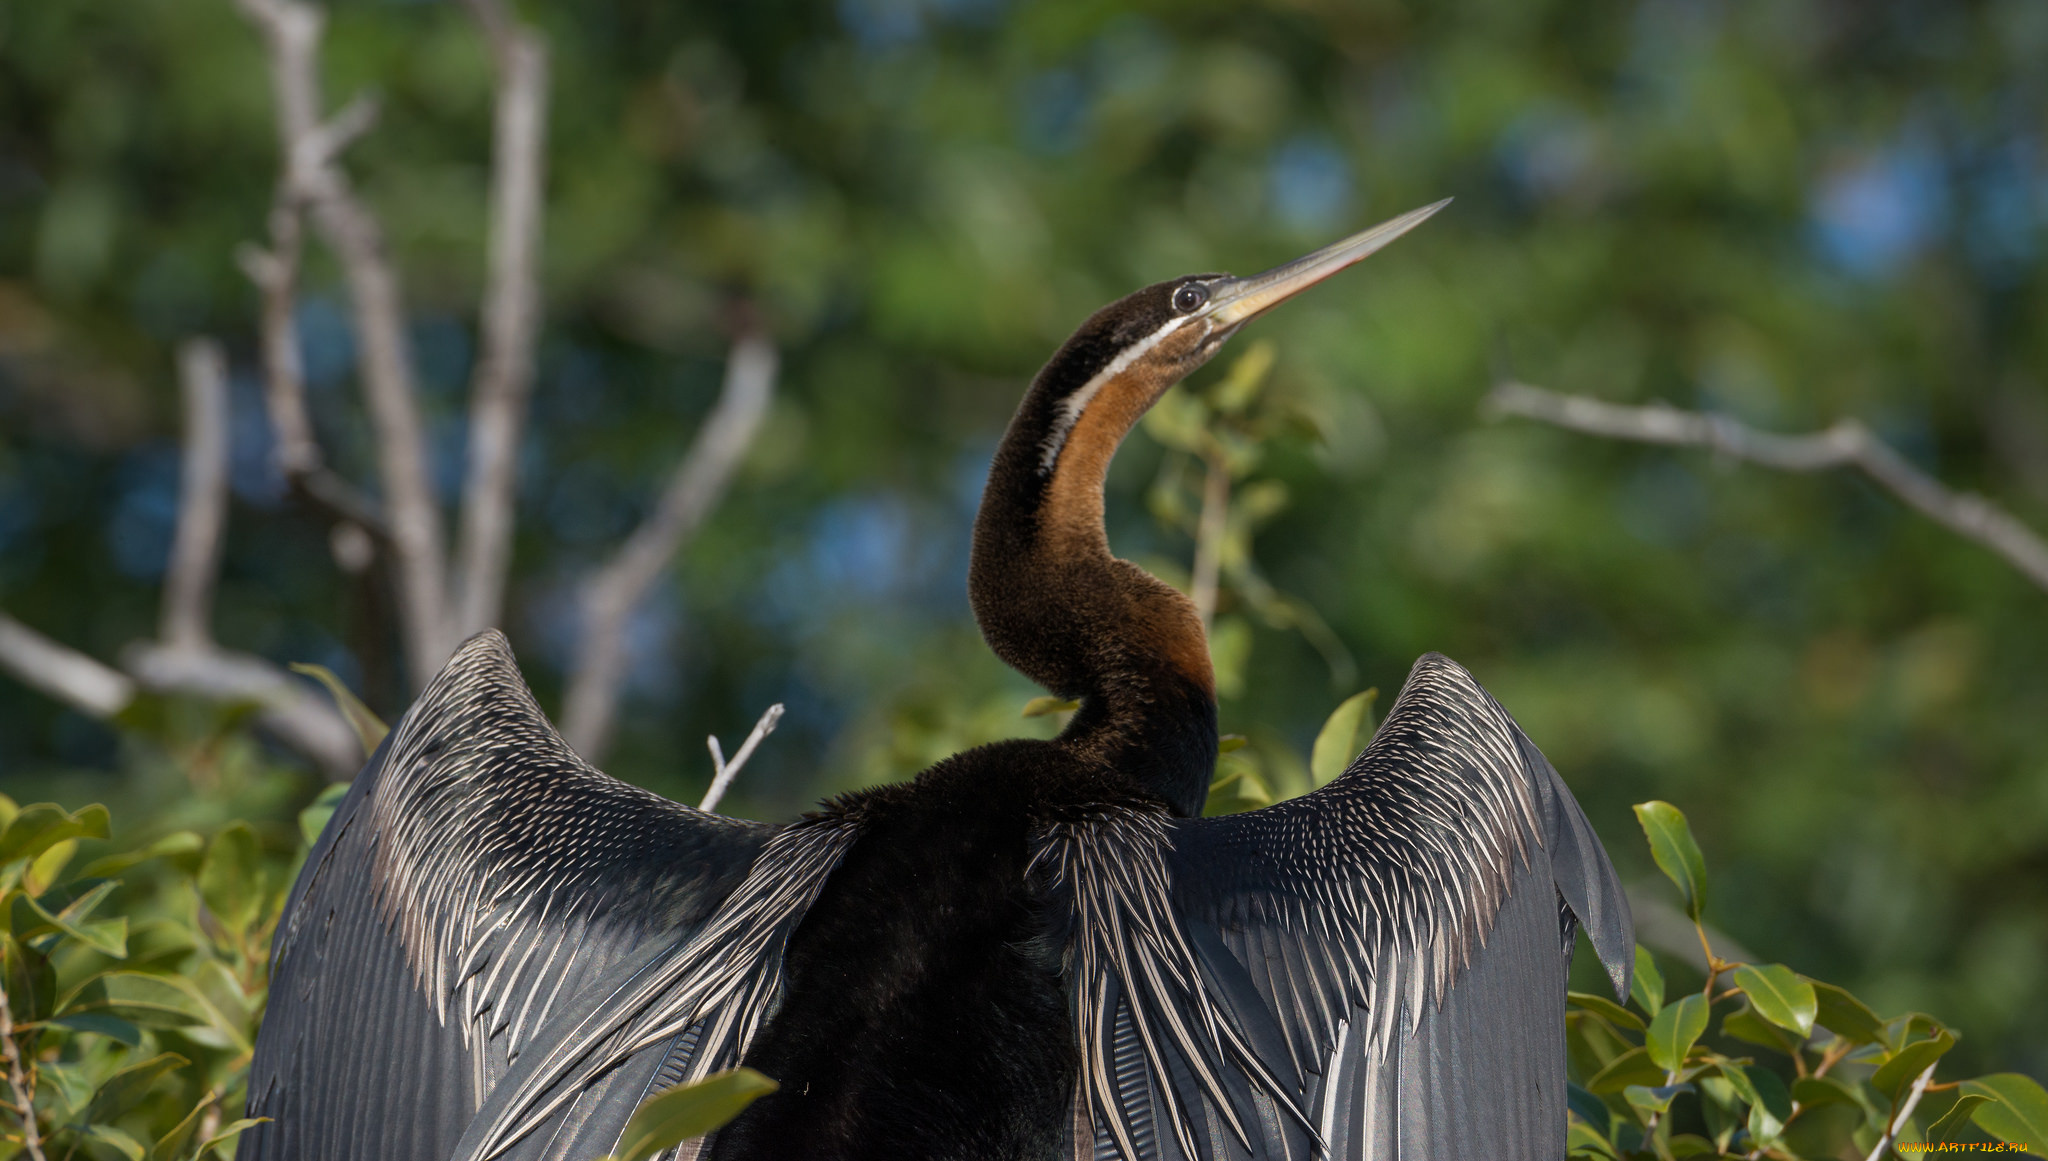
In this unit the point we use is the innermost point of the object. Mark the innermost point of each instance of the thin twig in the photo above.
(723, 771)
(18, 1082)
(1898, 1119)
(202, 497)
(693, 490)
(1846, 444)
(1210, 528)
(292, 33)
(81, 682)
(511, 318)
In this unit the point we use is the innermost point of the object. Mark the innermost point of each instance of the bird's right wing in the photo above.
(1374, 971)
(487, 912)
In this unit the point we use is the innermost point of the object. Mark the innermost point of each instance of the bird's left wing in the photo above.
(486, 911)
(1375, 970)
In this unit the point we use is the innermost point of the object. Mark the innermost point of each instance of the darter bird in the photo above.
(1033, 949)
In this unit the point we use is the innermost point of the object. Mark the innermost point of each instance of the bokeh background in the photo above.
(1788, 211)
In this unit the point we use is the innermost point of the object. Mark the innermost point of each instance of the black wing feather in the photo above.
(1375, 970)
(475, 881)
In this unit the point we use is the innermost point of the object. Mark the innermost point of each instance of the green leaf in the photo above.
(1228, 743)
(128, 1146)
(1772, 1105)
(126, 1088)
(171, 1145)
(313, 819)
(1247, 374)
(1770, 1090)
(37, 828)
(171, 846)
(1745, 1024)
(228, 1133)
(1179, 420)
(1646, 988)
(1039, 707)
(43, 870)
(675, 1116)
(1845, 1015)
(1237, 788)
(2017, 1110)
(1674, 1031)
(1649, 1102)
(231, 878)
(1676, 854)
(112, 1027)
(1590, 1109)
(1631, 1067)
(106, 936)
(1824, 1090)
(1605, 1008)
(1582, 1140)
(369, 728)
(1944, 1130)
(153, 1001)
(1780, 996)
(1906, 1065)
(1337, 742)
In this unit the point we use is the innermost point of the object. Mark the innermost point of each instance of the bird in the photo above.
(1034, 949)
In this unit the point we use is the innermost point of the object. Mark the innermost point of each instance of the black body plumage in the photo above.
(1029, 951)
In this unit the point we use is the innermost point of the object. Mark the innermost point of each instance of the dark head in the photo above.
(1048, 595)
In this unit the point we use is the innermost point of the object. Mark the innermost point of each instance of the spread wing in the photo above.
(477, 896)
(1374, 970)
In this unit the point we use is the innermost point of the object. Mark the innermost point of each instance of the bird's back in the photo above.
(923, 1013)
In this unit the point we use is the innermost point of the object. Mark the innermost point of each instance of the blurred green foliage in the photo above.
(1787, 210)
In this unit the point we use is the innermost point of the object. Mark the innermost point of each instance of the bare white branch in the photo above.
(291, 710)
(62, 672)
(723, 772)
(291, 31)
(1846, 444)
(511, 320)
(693, 490)
(202, 497)
(1898, 1119)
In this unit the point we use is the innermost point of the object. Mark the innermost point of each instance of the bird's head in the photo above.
(1129, 353)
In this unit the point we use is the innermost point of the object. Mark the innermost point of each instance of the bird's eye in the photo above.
(1190, 297)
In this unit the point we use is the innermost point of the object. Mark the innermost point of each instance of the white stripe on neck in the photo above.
(1073, 405)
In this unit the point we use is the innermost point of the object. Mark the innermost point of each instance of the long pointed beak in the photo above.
(1234, 301)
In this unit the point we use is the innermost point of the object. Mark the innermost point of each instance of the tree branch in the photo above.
(723, 772)
(275, 272)
(292, 32)
(1846, 444)
(692, 491)
(511, 319)
(202, 497)
(62, 672)
(18, 1082)
(290, 710)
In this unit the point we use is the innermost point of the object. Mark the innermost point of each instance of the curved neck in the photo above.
(1054, 603)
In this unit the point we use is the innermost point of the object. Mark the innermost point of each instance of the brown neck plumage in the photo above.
(1054, 603)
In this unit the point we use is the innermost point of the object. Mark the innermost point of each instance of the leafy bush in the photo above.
(130, 1011)
(1832, 1077)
